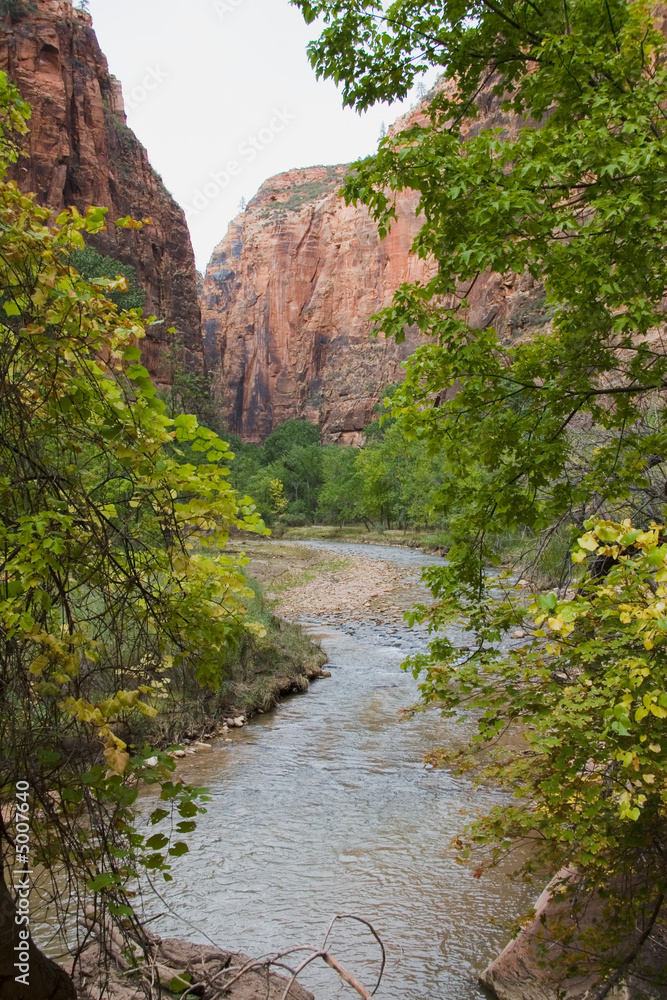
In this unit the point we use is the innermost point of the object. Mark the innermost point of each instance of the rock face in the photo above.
(289, 295)
(287, 301)
(81, 152)
(532, 966)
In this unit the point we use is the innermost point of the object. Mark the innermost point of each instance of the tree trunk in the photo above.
(46, 979)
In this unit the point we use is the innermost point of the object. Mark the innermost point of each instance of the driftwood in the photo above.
(201, 971)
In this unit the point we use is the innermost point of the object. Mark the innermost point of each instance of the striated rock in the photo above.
(287, 301)
(290, 291)
(81, 152)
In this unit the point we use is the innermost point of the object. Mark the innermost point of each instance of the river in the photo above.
(324, 806)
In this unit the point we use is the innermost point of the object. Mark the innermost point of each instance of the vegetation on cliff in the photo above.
(561, 432)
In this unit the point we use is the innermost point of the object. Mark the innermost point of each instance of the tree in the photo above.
(566, 187)
(339, 498)
(15, 10)
(112, 572)
(293, 433)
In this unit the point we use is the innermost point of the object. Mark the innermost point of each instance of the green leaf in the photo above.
(179, 849)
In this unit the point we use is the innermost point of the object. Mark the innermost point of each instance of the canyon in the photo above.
(290, 294)
(81, 152)
(286, 320)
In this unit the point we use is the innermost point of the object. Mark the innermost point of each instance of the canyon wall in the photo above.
(286, 305)
(290, 291)
(81, 152)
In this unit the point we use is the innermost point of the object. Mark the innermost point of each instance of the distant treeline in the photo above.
(295, 480)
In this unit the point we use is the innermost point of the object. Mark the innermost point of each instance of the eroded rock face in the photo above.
(288, 299)
(81, 152)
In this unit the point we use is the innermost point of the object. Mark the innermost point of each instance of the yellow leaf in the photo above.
(649, 778)
(117, 760)
(38, 664)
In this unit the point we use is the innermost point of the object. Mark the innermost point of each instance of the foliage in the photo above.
(15, 9)
(572, 719)
(291, 456)
(112, 563)
(561, 182)
(90, 264)
(189, 388)
(338, 499)
(390, 481)
(291, 434)
(278, 498)
(577, 203)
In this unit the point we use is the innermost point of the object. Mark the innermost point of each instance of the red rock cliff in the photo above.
(288, 299)
(287, 302)
(82, 153)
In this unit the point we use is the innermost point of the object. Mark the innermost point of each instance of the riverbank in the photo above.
(352, 598)
(170, 967)
(431, 542)
(257, 674)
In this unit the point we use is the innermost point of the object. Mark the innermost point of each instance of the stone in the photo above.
(81, 152)
(529, 967)
(289, 294)
(286, 308)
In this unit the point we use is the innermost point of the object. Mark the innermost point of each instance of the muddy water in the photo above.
(325, 807)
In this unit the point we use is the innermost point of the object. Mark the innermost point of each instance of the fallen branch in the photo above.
(349, 979)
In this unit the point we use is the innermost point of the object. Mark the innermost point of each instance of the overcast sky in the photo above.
(222, 95)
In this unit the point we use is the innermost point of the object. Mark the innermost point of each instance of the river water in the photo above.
(324, 806)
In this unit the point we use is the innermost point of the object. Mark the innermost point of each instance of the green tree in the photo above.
(339, 497)
(91, 265)
(300, 471)
(291, 434)
(112, 572)
(564, 184)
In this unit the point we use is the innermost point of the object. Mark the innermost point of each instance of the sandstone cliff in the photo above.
(81, 152)
(288, 299)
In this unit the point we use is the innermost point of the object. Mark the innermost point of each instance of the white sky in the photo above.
(210, 84)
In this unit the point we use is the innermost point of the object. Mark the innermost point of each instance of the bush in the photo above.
(90, 264)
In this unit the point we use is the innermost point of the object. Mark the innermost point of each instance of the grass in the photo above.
(257, 674)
